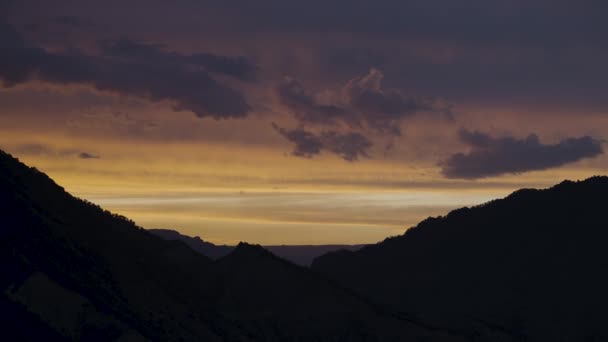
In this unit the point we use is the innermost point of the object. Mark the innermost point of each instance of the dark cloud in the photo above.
(363, 102)
(239, 67)
(472, 21)
(37, 149)
(305, 107)
(508, 53)
(306, 143)
(520, 52)
(498, 156)
(33, 149)
(156, 80)
(517, 21)
(349, 146)
(496, 55)
(383, 109)
(86, 155)
(68, 20)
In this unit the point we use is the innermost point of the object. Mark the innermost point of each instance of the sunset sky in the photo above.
(303, 122)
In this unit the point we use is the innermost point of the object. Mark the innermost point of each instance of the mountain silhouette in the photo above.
(196, 243)
(533, 266)
(73, 271)
(302, 255)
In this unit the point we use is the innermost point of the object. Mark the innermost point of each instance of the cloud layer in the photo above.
(238, 67)
(86, 155)
(494, 61)
(139, 70)
(362, 103)
(305, 108)
(350, 114)
(349, 146)
(37, 149)
(498, 156)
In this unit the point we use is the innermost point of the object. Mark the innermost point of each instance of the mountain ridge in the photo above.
(91, 275)
(531, 266)
(504, 263)
(299, 254)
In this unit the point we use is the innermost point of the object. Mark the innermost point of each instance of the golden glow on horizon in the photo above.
(338, 217)
(228, 191)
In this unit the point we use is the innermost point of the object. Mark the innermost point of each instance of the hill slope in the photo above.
(533, 265)
(72, 271)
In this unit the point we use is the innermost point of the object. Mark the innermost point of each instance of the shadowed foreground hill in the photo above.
(302, 255)
(72, 271)
(534, 265)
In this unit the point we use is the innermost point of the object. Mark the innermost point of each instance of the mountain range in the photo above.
(73, 271)
(530, 267)
(302, 255)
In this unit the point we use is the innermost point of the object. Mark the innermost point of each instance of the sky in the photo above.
(311, 122)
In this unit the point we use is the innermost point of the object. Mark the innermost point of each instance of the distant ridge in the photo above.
(302, 255)
(205, 248)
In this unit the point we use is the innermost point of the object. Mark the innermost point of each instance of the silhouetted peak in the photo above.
(247, 255)
(586, 187)
(244, 249)
(595, 181)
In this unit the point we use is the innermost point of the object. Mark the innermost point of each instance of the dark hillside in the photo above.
(73, 271)
(534, 265)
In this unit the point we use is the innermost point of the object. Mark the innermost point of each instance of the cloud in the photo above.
(305, 107)
(189, 89)
(38, 149)
(507, 155)
(471, 22)
(349, 146)
(363, 102)
(306, 143)
(33, 149)
(69, 20)
(238, 67)
(383, 109)
(85, 155)
(549, 52)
